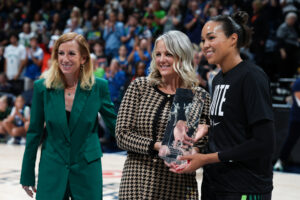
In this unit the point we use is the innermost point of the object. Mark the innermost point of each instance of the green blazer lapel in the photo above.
(78, 105)
(59, 110)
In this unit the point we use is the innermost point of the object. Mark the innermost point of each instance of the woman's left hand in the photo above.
(29, 190)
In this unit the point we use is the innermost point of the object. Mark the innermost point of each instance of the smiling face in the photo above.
(216, 46)
(69, 58)
(164, 60)
(19, 102)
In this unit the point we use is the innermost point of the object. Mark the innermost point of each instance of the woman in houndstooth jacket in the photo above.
(143, 117)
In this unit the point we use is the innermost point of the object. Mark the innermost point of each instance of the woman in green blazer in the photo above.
(67, 100)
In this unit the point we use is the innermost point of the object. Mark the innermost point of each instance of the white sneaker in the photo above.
(11, 140)
(23, 141)
(278, 166)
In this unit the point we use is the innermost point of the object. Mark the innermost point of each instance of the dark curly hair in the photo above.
(237, 23)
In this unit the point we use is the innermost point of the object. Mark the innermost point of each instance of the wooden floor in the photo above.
(286, 186)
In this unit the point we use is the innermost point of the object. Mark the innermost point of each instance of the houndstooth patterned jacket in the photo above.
(142, 120)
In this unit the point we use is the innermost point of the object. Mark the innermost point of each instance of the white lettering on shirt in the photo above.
(218, 100)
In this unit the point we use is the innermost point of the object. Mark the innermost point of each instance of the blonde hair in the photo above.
(54, 78)
(180, 46)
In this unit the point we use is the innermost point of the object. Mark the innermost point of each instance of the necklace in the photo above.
(69, 90)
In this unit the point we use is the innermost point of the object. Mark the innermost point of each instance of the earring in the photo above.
(81, 67)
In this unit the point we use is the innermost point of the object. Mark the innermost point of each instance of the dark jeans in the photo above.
(291, 140)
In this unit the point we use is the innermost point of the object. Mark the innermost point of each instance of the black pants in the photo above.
(291, 140)
(207, 193)
(68, 194)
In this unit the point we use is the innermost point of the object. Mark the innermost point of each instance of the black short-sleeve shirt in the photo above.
(241, 97)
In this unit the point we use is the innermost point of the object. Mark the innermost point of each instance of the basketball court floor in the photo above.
(286, 185)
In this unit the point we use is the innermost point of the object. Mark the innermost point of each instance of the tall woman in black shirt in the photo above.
(241, 137)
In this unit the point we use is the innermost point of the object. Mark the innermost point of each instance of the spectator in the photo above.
(217, 8)
(34, 61)
(141, 52)
(17, 123)
(158, 14)
(16, 19)
(101, 20)
(75, 13)
(24, 37)
(293, 131)
(212, 12)
(140, 68)
(131, 31)
(172, 20)
(56, 23)
(101, 58)
(116, 80)
(165, 4)
(37, 24)
(112, 6)
(4, 112)
(74, 27)
(15, 55)
(149, 31)
(122, 58)
(193, 22)
(289, 45)
(94, 33)
(113, 32)
(121, 17)
(86, 21)
(139, 71)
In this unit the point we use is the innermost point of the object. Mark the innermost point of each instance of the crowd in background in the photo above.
(121, 35)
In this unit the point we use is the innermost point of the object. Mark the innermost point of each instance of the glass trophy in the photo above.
(185, 111)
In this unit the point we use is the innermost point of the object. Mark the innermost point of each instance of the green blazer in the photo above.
(71, 152)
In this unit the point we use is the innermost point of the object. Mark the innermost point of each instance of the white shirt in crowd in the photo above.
(24, 38)
(14, 55)
(26, 111)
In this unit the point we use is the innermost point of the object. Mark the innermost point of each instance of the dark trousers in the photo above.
(291, 140)
(207, 193)
(68, 194)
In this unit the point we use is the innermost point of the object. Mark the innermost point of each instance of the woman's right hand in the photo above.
(29, 190)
